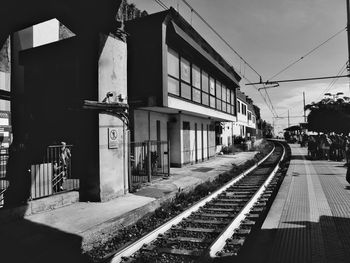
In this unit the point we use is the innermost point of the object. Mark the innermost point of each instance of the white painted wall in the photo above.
(227, 133)
(5, 83)
(145, 123)
(179, 104)
(192, 120)
(112, 78)
(46, 32)
(242, 119)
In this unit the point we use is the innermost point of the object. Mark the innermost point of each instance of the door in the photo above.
(186, 142)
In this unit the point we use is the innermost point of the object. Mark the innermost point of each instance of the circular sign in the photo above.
(113, 134)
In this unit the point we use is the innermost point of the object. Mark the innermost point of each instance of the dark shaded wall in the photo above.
(145, 64)
(57, 77)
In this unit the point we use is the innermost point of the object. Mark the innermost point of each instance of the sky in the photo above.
(270, 35)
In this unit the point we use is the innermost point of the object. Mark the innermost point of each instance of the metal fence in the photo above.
(4, 183)
(149, 160)
(54, 174)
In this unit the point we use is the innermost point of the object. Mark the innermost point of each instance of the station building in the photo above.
(179, 88)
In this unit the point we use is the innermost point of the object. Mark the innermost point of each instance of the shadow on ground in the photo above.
(300, 242)
(25, 241)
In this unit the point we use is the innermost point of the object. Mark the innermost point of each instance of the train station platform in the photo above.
(309, 220)
(61, 235)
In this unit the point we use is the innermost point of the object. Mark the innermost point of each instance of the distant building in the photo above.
(179, 88)
(246, 116)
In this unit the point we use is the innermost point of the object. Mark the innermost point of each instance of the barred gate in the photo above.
(51, 176)
(148, 160)
(4, 183)
(54, 174)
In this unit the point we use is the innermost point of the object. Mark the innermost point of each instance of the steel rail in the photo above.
(220, 242)
(134, 247)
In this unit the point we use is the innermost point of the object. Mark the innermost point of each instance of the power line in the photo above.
(340, 72)
(268, 97)
(219, 36)
(267, 104)
(271, 108)
(159, 2)
(308, 53)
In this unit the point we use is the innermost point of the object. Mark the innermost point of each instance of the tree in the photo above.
(331, 114)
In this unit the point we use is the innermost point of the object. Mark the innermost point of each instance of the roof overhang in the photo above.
(183, 35)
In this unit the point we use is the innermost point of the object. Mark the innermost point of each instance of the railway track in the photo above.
(215, 227)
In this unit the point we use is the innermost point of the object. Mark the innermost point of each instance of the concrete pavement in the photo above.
(309, 220)
(75, 228)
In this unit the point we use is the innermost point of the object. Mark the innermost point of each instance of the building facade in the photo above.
(179, 87)
(246, 116)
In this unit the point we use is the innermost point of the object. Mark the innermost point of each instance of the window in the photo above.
(185, 91)
(238, 106)
(191, 82)
(249, 115)
(212, 102)
(244, 109)
(224, 106)
(205, 99)
(196, 95)
(196, 77)
(185, 70)
(218, 90)
(224, 93)
(218, 104)
(173, 63)
(205, 82)
(228, 99)
(173, 86)
(212, 86)
(232, 98)
(253, 119)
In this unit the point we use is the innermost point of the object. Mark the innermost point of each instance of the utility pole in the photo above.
(304, 106)
(288, 119)
(348, 30)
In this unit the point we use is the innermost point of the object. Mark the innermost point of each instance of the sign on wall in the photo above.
(113, 138)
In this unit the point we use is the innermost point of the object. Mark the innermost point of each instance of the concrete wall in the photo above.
(180, 104)
(227, 133)
(175, 139)
(145, 123)
(112, 78)
(172, 124)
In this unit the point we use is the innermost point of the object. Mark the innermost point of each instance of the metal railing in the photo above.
(149, 160)
(54, 174)
(4, 183)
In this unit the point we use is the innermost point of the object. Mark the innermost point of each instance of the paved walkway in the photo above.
(59, 235)
(309, 220)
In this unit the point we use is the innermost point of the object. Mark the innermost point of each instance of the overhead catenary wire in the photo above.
(219, 36)
(270, 106)
(268, 97)
(340, 72)
(308, 53)
(164, 6)
(267, 104)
